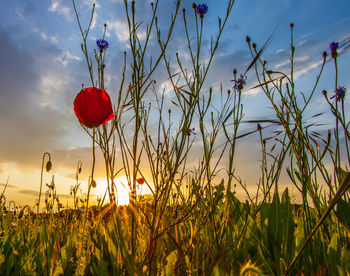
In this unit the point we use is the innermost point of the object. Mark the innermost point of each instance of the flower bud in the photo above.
(247, 39)
(20, 215)
(93, 184)
(48, 166)
(194, 6)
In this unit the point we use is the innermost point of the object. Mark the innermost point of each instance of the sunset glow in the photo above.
(122, 190)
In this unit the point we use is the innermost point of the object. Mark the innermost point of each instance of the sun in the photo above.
(122, 192)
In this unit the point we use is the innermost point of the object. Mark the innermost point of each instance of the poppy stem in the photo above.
(41, 176)
(92, 171)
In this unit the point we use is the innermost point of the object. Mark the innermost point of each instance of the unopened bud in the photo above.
(20, 215)
(93, 184)
(48, 166)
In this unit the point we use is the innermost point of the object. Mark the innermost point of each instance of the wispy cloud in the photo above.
(57, 7)
(29, 192)
(45, 37)
(120, 29)
(322, 29)
(9, 186)
(36, 193)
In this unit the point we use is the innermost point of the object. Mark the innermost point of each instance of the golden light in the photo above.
(122, 192)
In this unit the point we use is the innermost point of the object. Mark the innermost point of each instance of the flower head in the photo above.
(102, 44)
(201, 10)
(240, 82)
(190, 131)
(334, 46)
(140, 180)
(93, 107)
(339, 93)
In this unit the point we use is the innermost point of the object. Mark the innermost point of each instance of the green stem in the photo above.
(41, 177)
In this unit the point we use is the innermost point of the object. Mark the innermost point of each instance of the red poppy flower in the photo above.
(93, 107)
(140, 180)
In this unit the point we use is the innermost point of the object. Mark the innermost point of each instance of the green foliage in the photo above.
(193, 223)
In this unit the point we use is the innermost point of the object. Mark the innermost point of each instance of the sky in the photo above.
(42, 69)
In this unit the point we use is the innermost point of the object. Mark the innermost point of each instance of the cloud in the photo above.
(36, 193)
(89, 3)
(64, 196)
(29, 128)
(57, 7)
(29, 192)
(120, 29)
(45, 37)
(9, 186)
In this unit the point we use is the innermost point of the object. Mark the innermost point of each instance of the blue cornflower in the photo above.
(334, 46)
(191, 131)
(240, 82)
(339, 93)
(102, 44)
(202, 10)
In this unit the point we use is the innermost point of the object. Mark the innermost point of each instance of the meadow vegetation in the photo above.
(192, 222)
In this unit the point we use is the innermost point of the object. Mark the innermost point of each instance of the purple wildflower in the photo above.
(240, 82)
(102, 44)
(339, 93)
(190, 131)
(202, 10)
(334, 46)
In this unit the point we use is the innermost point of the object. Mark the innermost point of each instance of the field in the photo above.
(183, 150)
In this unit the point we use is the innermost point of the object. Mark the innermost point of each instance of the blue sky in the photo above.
(42, 69)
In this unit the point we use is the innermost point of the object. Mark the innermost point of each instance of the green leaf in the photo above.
(341, 174)
(334, 251)
(342, 211)
(275, 231)
(288, 226)
(171, 261)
